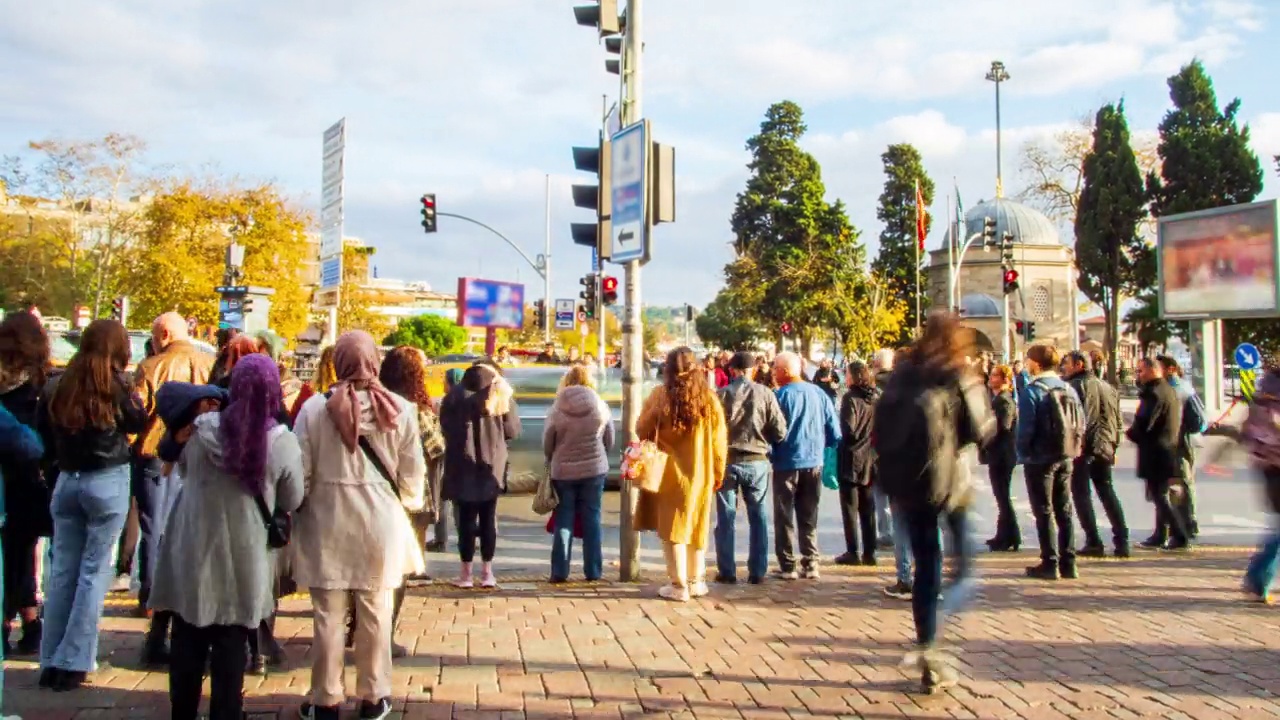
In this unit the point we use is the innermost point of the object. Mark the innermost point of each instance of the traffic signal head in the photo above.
(601, 14)
(597, 197)
(1021, 328)
(120, 309)
(588, 294)
(1010, 280)
(540, 312)
(786, 328)
(609, 290)
(429, 212)
(1031, 330)
(988, 231)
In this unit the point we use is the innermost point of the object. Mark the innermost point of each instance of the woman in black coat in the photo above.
(856, 466)
(1001, 456)
(479, 418)
(24, 367)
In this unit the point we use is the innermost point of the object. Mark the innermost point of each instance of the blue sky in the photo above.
(479, 101)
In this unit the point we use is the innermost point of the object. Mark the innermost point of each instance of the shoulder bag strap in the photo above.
(262, 508)
(369, 453)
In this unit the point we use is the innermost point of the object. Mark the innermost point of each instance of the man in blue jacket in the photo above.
(1046, 468)
(812, 426)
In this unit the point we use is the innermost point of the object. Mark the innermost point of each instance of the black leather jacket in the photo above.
(92, 449)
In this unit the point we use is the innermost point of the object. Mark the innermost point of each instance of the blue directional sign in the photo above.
(629, 154)
(1248, 357)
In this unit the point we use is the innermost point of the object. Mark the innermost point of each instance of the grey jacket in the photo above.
(1103, 423)
(214, 567)
(754, 419)
(578, 435)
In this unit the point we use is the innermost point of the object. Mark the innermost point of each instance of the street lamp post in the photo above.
(997, 75)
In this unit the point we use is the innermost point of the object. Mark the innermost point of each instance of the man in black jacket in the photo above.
(1092, 470)
(1156, 430)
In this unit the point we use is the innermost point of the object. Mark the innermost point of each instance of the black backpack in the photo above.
(1060, 429)
(915, 439)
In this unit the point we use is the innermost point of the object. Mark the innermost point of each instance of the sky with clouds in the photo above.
(480, 102)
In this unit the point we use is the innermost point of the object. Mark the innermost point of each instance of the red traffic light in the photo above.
(428, 201)
(786, 328)
(1010, 276)
(609, 284)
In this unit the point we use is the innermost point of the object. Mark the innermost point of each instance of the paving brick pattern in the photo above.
(1155, 637)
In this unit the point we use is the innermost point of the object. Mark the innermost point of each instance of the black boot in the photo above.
(155, 652)
(32, 631)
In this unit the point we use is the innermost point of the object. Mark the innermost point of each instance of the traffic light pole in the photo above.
(632, 337)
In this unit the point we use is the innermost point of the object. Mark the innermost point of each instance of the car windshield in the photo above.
(545, 380)
(61, 348)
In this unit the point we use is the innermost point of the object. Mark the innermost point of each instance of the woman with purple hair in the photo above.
(215, 571)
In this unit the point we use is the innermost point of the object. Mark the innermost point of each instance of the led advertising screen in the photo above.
(1219, 263)
(490, 304)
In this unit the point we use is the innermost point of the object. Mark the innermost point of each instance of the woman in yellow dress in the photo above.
(684, 417)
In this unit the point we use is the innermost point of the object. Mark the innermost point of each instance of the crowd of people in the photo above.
(246, 484)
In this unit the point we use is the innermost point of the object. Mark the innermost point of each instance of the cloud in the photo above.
(480, 105)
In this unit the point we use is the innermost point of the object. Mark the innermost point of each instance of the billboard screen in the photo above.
(1219, 263)
(490, 304)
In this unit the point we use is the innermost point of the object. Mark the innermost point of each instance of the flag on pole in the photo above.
(922, 225)
(960, 229)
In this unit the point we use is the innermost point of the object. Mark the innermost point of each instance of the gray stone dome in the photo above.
(1028, 225)
(978, 305)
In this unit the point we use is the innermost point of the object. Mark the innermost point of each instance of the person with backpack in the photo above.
(1261, 436)
(1092, 470)
(1194, 423)
(1156, 430)
(1050, 437)
(933, 408)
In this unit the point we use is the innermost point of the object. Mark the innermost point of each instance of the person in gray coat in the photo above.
(215, 571)
(576, 439)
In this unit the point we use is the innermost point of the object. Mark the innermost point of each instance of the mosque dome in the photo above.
(1028, 225)
(978, 305)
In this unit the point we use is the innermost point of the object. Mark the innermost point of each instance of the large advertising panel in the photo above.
(1219, 263)
(490, 304)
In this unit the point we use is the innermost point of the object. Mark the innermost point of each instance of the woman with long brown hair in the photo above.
(86, 416)
(684, 418)
(24, 368)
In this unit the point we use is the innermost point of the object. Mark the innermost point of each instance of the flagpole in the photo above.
(951, 238)
(916, 244)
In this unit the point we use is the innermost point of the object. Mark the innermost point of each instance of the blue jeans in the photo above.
(89, 510)
(153, 494)
(926, 545)
(752, 478)
(883, 520)
(578, 498)
(1264, 565)
(901, 546)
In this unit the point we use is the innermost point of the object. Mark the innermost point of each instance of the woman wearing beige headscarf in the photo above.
(364, 468)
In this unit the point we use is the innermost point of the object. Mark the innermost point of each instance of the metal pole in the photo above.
(1005, 350)
(548, 307)
(597, 261)
(999, 165)
(632, 341)
(951, 258)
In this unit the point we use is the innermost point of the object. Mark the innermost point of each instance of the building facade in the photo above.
(1047, 292)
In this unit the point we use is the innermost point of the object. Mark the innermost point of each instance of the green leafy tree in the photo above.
(726, 325)
(1112, 257)
(897, 263)
(432, 334)
(1206, 162)
(794, 249)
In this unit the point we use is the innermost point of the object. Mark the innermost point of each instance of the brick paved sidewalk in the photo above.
(1155, 637)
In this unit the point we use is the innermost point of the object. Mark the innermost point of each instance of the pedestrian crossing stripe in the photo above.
(1247, 384)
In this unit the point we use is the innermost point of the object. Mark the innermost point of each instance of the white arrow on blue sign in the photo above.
(1248, 357)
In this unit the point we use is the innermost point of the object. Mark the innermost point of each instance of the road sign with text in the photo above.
(629, 180)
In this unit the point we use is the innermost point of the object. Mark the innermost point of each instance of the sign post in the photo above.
(1248, 361)
(333, 158)
(565, 310)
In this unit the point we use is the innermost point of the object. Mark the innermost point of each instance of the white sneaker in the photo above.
(673, 593)
(700, 589)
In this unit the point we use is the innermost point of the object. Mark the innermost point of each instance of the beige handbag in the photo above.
(545, 499)
(650, 464)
